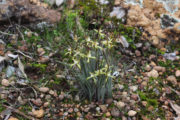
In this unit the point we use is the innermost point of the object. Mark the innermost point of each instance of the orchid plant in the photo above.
(92, 59)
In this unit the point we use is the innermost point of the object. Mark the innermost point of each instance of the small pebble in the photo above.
(79, 114)
(103, 108)
(46, 104)
(51, 92)
(98, 109)
(61, 97)
(70, 110)
(38, 113)
(160, 69)
(44, 89)
(109, 101)
(153, 73)
(144, 83)
(120, 104)
(76, 110)
(134, 97)
(177, 73)
(172, 79)
(47, 97)
(138, 53)
(148, 68)
(133, 88)
(132, 113)
(5, 82)
(37, 102)
(144, 103)
(115, 112)
(108, 114)
(65, 114)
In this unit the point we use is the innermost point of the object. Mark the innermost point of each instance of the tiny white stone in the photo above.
(118, 12)
(133, 88)
(76, 110)
(153, 73)
(116, 73)
(59, 2)
(44, 89)
(132, 113)
(66, 113)
(177, 73)
(5, 82)
(120, 104)
(97, 108)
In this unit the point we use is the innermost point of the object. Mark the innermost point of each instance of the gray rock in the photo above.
(115, 112)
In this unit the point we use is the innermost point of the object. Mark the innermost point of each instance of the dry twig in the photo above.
(20, 113)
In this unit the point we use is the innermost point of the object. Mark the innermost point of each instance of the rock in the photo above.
(120, 104)
(132, 102)
(22, 101)
(139, 45)
(77, 99)
(117, 2)
(153, 64)
(38, 113)
(97, 109)
(108, 114)
(51, 92)
(86, 109)
(109, 101)
(76, 110)
(115, 112)
(65, 114)
(79, 114)
(124, 118)
(44, 89)
(27, 12)
(46, 104)
(59, 2)
(43, 59)
(118, 12)
(151, 108)
(171, 56)
(160, 69)
(121, 87)
(144, 83)
(172, 79)
(41, 51)
(47, 97)
(103, 108)
(134, 97)
(132, 113)
(138, 53)
(177, 73)
(29, 34)
(70, 110)
(13, 118)
(5, 82)
(148, 68)
(153, 73)
(133, 88)
(88, 116)
(124, 94)
(144, 103)
(37, 102)
(155, 40)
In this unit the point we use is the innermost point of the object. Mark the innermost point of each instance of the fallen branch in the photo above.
(20, 113)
